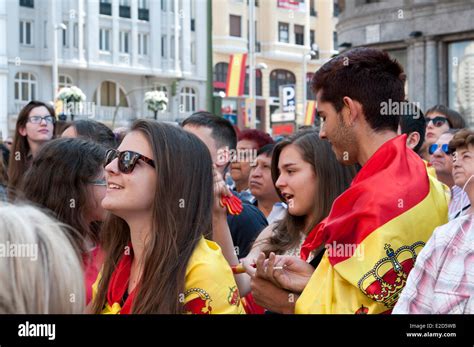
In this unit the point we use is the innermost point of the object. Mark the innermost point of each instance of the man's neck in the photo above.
(370, 143)
(266, 205)
(446, 179)
(241, 186)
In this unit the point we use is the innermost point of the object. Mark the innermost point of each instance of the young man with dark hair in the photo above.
(377, 226)
(220, 138)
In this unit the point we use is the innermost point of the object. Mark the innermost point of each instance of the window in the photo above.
(163, 5)
(334, 39)
(187, 99)
(299, 34)
(27, 3)
(143, 12)
(309, 93)
(283, 35)
(65, 36)
(64, 81)
(110, 94)
(220, 76)
(124, 9)
(143, 44)
(312, 9)
(164, 51)
(25, 33)
(25, 86)
(104, 40)
(461, 78)
(312, 38)
(258, 83)
(235, 26)
(278, 78)
(105, 7)
(124, 42)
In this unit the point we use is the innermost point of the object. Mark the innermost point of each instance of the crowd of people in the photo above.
(364, 213)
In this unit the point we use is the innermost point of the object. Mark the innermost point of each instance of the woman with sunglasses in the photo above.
(156, 240)
(438, 120)
(34, 127)
(67, 178)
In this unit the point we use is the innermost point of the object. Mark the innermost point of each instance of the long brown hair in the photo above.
(59, 179)
(184, 176)
(21, 147)
(332, 179)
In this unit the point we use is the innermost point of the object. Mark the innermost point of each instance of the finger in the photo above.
(269, 268)
(260, 265)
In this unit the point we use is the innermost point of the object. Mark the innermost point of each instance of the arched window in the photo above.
(110, 94)
(187, 99)
(278, 78)
(25, 86)
(220, 76)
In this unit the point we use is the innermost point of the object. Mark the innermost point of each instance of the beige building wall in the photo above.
(274, 54)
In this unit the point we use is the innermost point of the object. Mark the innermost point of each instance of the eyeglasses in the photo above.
(437, 121)
(99, 182)
(126, 160)
(38, 119)
(445, 148)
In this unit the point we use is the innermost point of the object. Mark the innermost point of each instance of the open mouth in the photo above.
(113, 186)
(288, 197)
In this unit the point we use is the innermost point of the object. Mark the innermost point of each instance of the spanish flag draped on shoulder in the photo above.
(373, 234)
(210, 286)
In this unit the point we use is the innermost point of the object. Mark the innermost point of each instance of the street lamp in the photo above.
(313, 54)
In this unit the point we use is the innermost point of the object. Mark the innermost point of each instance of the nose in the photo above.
(255, 172)
(112, 168)
(438, 153)
(322, 132)
(280, 182)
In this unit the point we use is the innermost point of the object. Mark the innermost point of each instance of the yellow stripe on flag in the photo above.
(236, 75)
(310, 111)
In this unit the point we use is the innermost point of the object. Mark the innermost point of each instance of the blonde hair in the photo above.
(40, 270)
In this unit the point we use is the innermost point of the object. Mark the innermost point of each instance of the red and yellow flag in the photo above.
(236, 75)
(373, 234)
(310, 112)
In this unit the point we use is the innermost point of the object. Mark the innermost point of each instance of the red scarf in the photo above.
(119, 283)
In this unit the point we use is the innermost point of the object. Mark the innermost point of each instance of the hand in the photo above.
(220, 189)
(294, 274)
(271, 297)
(249, 266)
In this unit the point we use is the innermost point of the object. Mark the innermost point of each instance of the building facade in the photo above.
(113, 50)
(285, 31)
(432, 39)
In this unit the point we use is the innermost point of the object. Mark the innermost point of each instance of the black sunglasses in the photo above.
(437, 121)
(126, 160)
(445, 148)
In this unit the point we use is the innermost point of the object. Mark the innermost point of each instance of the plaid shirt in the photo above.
(442, 280)
(459, 202)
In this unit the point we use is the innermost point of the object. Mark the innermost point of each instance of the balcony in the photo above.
(124, 11)
(143, 14)
(105, 8)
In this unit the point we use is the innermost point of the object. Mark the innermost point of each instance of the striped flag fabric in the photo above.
(236, 75)
(373, 234)
(310, 112)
